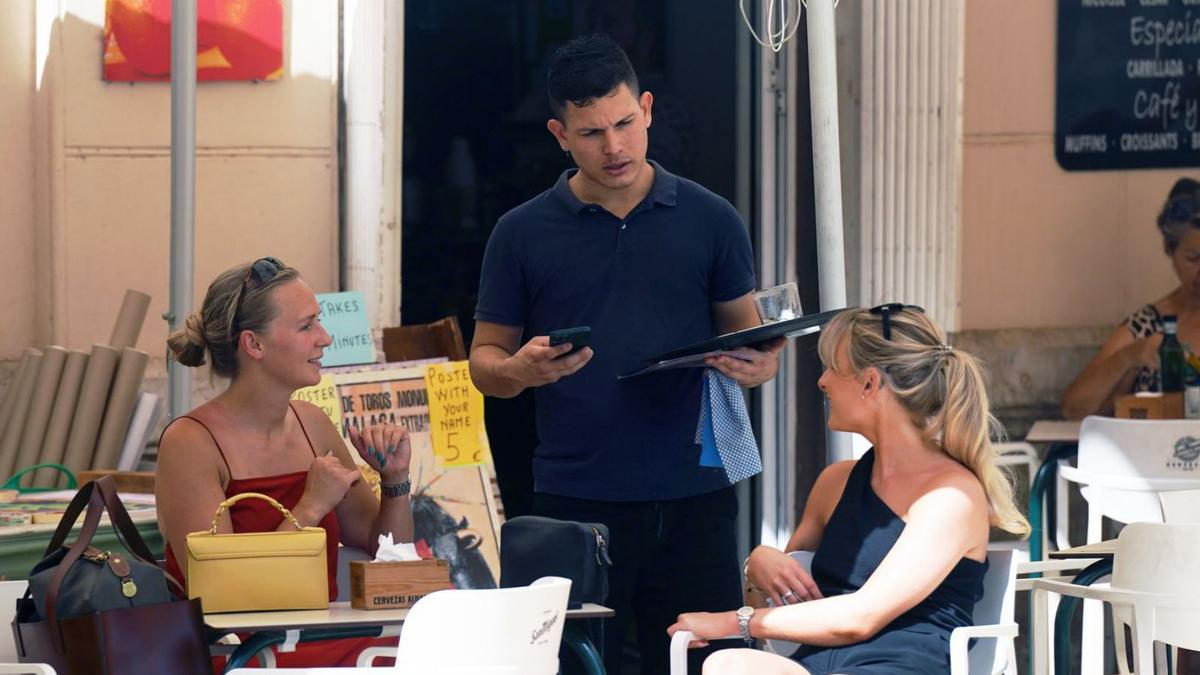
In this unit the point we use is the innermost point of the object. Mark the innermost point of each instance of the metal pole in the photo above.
(827, 174)
(183, 189)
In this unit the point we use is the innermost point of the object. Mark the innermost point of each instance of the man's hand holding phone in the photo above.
(544, 359)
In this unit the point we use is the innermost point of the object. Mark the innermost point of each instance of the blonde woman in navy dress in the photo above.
(900, 536)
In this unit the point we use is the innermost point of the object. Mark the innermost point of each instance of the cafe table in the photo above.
(286, 628)
(1063, 437)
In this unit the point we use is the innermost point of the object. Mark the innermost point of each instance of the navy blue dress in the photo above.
(859, 534)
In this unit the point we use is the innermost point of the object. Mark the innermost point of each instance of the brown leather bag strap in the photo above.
(127, 532)
(90, 523)
(78, 503)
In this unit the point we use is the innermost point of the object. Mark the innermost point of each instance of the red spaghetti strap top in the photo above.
(256, 515)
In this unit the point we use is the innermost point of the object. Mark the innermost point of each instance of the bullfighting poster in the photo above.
(453, 508)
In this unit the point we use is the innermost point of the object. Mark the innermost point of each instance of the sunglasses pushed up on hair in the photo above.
(887, 309)
(262, 271)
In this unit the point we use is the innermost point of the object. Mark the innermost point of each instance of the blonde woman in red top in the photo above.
(260, 327)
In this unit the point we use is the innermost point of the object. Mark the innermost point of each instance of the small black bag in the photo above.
(532, 547)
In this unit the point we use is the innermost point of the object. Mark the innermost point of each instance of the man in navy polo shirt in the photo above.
(651, 262)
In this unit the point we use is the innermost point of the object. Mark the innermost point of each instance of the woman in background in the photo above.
(260, 327)
(1128, 360)
(900, 536)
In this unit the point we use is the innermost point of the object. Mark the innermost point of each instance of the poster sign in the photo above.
(456, 415)
(344, 315)
(235, 40)
(454, 512)
(1128, 84)
(323, 395)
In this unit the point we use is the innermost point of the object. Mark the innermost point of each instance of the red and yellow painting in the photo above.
(235, 40)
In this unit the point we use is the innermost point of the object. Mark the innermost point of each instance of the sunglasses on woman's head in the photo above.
(887, 309)
(262, 271)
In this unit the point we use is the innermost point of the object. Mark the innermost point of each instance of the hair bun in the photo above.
(188, 344)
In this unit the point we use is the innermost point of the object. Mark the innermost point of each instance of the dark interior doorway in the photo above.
(476, 144)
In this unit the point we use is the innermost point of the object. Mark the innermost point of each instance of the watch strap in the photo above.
(396, 489)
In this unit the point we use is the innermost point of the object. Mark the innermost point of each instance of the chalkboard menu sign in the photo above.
(1128, 92)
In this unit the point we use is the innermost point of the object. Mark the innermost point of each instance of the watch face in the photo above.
(745, 612)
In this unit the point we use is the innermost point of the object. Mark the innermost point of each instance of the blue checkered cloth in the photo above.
(723, 430)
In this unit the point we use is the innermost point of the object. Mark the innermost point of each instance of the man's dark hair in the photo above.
(586, 68)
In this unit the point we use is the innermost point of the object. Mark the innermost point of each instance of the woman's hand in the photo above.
(780, 577)
(706, 626)
(1144, 351)
(326, 485)
(385, 448)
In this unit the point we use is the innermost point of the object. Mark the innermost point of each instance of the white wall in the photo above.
(1042, 247)
(266, 173)
(16, 176)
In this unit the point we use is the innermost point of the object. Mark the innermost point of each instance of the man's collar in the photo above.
(663, 191)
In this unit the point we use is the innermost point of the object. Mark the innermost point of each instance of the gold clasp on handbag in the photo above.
(255, 495)
(120, 567)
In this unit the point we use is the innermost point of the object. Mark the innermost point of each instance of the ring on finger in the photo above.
(790, 595)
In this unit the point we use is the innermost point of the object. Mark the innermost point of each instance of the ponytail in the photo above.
(942, 388)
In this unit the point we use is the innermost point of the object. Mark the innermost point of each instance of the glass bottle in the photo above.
(1170, 357)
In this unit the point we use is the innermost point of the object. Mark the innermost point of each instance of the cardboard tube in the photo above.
(12, 435)
(129, 321)
(120, 408)
(61, 414)
(45, 386)
(89, 410)
(10, 394)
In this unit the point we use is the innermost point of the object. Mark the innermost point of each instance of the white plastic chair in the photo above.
(1180, 506)
(10, 591)
(993, 625)
(500, 631)
(1152, 592)
(1122, 467)
(1016, 453)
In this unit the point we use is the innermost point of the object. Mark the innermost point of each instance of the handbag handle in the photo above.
(252, 495)
(127, 534)
(86, 533)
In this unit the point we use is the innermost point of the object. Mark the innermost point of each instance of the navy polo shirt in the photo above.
(645, 285)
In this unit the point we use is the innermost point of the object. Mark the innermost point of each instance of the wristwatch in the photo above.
(743, 617)
(396, 489)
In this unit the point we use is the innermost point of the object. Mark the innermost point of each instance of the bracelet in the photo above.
(746, 576)
(396, 489)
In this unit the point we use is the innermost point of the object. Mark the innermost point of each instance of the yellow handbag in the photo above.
(255, 571)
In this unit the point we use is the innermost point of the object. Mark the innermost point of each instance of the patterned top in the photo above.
(1145, 322)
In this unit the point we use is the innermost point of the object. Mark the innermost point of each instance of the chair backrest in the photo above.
(997, 606)
(1160, 558)
(1120, 449)
(10, 591)
(345, 555)
(1180, 506)
(518, 629)
(426, 340)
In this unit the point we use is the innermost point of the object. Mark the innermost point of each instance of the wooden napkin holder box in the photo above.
(1150, 407)
(396, 584)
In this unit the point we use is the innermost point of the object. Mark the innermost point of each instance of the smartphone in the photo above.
(579, 337)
